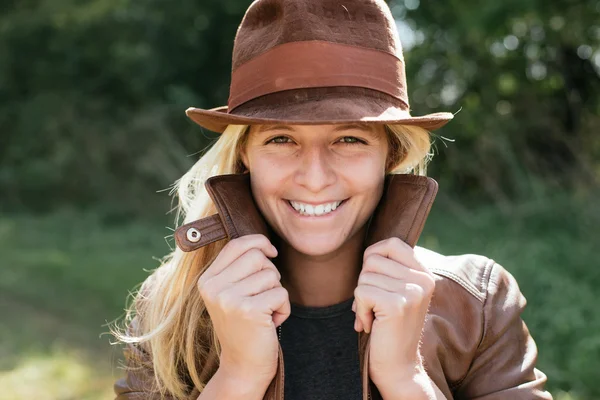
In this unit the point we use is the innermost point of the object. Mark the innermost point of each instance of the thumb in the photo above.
(364, 314)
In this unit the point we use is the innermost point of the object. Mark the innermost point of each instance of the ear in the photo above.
(395, 157)
(396, 152)
(244, 159)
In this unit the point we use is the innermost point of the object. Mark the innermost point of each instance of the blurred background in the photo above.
(93, 133)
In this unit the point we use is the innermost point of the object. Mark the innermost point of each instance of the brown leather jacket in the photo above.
(475, 344)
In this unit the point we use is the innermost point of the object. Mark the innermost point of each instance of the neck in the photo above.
(318, 281)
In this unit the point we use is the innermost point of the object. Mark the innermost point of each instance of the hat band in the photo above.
(315, 63)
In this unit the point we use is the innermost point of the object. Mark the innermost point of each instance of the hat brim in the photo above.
(324, 112)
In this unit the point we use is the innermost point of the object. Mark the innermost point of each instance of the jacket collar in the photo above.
(401, 212)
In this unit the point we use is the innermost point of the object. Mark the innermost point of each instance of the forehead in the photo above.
(325, 128)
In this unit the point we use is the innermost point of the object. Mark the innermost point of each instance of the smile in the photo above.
(315, 210)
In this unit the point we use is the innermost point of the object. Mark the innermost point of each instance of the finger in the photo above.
(378, 264)
(364, 296)
(397, 250)
(251, 262)
(256, 283)
(235, 248)
(411, 295)
(378, 304)
(277, 303)
(383, 282)
(358, 326)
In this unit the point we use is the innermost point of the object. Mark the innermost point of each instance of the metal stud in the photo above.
(193, 235)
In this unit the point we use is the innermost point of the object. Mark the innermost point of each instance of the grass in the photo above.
(63, 276)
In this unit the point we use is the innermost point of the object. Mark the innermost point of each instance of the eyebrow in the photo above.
(362, 127)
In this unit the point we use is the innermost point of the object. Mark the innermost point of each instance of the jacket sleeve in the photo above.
(138, 382)
(504, 364)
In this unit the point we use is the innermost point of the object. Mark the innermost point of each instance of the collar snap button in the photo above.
(193, 235)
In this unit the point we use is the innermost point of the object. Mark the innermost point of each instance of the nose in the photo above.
(315, 171)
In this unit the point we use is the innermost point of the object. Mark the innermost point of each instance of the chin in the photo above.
(315, 245)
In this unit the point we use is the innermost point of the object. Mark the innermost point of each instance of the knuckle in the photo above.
(282, 293)
(256, 239)
(359, 291)
(246, 308)
(263, 238)
(274, 268)
(226, 302)
(369, 262)
(415, 295)
(429, 285)
(246, 241)
(256, 258)
(233, 245)
(400, 303)
(204, 289)
(270, 267)
(392, 242)
(255, 255)
(364, 277)
(397, 242)
(272, 275)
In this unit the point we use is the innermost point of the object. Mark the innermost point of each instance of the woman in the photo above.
(320, 293)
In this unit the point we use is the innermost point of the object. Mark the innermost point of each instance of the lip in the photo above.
(329, 214)
(316, 203)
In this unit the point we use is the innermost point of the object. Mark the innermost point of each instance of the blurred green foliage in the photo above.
(92, 95)
(63, 277)
(527, 77)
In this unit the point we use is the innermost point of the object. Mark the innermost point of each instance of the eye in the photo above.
(279, 140)
(351, 140)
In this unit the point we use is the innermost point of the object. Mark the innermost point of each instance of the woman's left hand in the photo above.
(391, 302)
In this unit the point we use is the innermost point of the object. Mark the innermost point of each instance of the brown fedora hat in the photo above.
(310, 62)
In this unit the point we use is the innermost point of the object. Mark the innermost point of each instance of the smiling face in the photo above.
(316, 185)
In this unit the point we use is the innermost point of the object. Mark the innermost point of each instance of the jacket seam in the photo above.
(464, 284)
(487, 272)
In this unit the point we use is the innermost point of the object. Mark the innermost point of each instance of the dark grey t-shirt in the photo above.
(320, 352)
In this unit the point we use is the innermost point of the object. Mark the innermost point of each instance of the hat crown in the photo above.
(269, 23)
(317, 61)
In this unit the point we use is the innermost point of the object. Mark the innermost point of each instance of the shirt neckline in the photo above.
(333, 310)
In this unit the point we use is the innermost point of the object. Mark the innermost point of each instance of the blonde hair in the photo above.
(167, 316)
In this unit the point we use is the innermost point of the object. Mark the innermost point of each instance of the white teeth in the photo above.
(309, 209)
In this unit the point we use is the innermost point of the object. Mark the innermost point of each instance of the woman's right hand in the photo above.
(246, 302)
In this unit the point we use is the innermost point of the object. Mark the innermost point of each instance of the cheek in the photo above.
(268, 177)
(264, 186)
(365, 176)
(364, 169)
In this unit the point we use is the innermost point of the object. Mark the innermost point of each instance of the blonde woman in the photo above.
(296, 274)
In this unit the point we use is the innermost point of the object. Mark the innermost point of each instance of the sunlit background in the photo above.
(93, 133)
